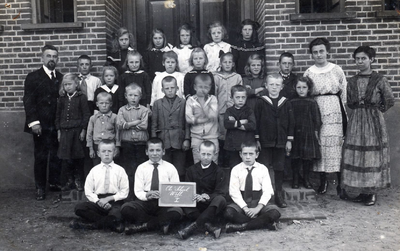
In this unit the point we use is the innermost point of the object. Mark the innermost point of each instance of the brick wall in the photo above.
(20, 49)
(113, 19)
(383, 34)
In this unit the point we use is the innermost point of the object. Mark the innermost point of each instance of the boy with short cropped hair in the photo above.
(274, 131)
(144, 212)
(102, 125)
(240, 124)
(250, 189)
(202, 115)
(88, 83)
(286, 63)
(210, 192)
(106, 187)
(132, 120)
(168, 123)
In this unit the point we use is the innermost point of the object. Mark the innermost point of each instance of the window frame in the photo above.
(44, 26)
(387, 13)
(343, 14)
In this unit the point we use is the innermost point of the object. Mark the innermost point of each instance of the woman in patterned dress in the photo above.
(366, 147)
(330, 94)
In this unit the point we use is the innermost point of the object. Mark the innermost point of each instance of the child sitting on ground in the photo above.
(145, 212)
(250, 189)
(106, 187)
(210, 193)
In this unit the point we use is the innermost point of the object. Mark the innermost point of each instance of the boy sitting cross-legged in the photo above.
(106, 187)
(144, 212)
(210, 192)
(250, 189)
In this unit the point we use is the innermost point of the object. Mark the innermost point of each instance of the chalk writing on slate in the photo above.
(177, 194)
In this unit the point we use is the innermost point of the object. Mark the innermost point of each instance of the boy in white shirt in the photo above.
(250, 189)
(106, 187)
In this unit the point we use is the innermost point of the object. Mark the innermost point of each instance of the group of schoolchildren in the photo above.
(149, 118)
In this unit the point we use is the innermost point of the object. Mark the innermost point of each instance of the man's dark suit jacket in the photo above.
(40, 99)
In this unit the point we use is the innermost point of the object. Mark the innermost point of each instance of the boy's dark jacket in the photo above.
(275, 125)
(211, 181)
(167, 119)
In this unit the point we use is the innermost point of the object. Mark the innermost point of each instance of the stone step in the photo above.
(301, 194)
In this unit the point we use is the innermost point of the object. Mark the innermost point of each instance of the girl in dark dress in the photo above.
(153, 56)
(109, 79)
(246, 44)
(123, 42)
(135, 74)
(72, 118)
(307, 124)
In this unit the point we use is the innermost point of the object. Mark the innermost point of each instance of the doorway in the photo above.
(141, 16)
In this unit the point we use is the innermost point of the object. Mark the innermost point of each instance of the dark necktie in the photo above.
(53, 78)
(84, 86)
(248, 188)
(154, 180)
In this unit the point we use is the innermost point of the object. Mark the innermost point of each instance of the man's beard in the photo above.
(51, 65)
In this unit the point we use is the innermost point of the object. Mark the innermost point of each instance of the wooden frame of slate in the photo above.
(177, 194)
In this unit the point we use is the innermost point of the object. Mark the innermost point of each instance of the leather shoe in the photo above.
(40, 194)
(370, 200)
(360, 198)
(77, 224)
(343, 194)
(306, 183)
(216, 231)
(295, 181)
(323, 187)
(187, 231)
(119, 227)
(279, 201)
(230, 227)
(136, 229)
(272, 226)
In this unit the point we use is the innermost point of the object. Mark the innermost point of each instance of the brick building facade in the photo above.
(21, 41)
(360, 22)
(282, 30)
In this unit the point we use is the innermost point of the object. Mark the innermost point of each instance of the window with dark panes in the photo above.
(55, 11)
(391, 4)
(319, 6)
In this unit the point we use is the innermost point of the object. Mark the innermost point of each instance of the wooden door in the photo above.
(142, 16)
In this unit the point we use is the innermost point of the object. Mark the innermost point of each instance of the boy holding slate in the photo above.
(250, 189)
(144, 211)
(210, 192)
